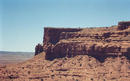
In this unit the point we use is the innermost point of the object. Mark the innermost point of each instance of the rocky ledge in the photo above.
(99, 42)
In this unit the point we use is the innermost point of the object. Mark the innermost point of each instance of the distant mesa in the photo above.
(100, 42)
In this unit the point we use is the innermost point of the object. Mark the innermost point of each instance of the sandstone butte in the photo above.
(77, 54)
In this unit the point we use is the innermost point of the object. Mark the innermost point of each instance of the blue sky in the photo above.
(22, 21)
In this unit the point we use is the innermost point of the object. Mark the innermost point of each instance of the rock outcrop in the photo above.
(91, 54)
(52, 35)
(101, 42)
(123, 25)
(38, 49)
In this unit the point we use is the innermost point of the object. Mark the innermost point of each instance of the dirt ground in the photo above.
(78, 68)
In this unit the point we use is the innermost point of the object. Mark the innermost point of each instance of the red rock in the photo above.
(123, 25)
(97, 42)
(38, 49)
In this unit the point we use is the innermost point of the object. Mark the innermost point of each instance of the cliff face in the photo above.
(91, 54)
(97, 42)
(52, 35)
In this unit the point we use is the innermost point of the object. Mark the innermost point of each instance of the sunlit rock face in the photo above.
(98, 42)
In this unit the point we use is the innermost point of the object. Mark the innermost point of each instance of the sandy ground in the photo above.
(14, 58)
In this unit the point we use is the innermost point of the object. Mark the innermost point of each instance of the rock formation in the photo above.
(123, 25)
(90, 54)
(38, 49)
(100, 42)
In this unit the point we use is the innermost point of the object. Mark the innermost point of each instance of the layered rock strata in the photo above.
(100, 42)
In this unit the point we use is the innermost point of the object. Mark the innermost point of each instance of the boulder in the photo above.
(123, 25)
